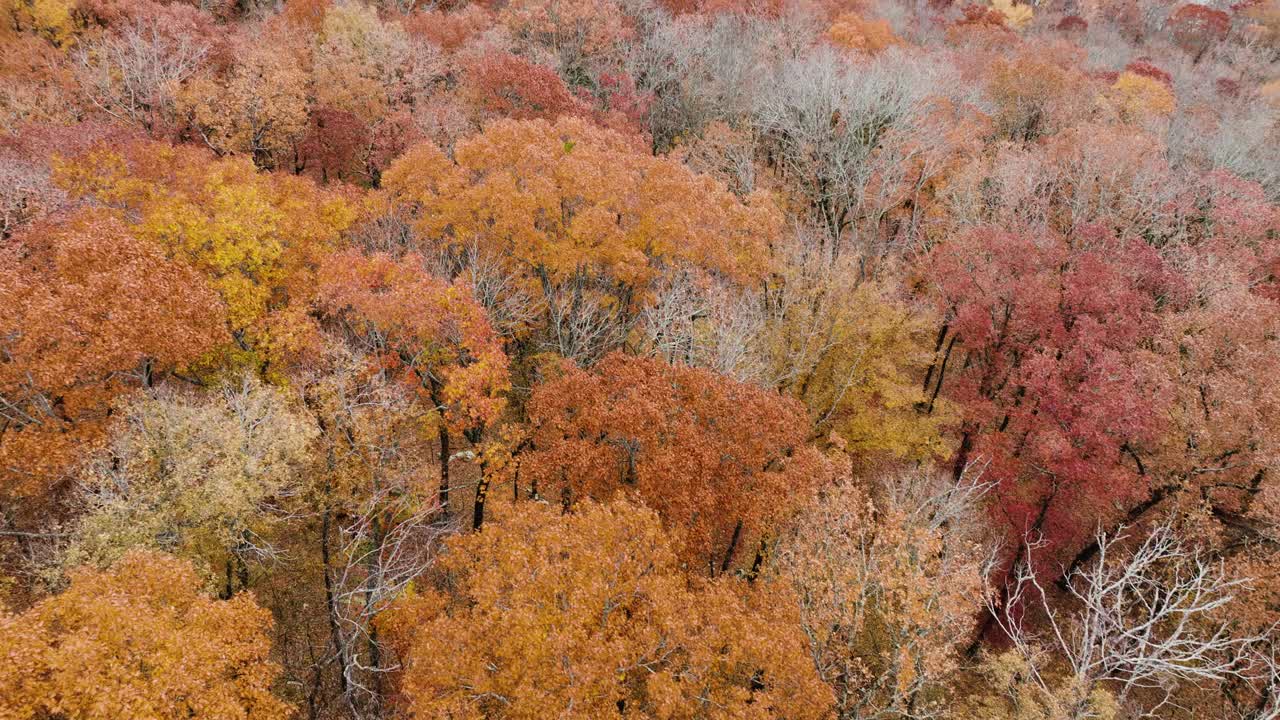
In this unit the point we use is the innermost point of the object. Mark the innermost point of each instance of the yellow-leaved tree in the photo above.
(257, 236)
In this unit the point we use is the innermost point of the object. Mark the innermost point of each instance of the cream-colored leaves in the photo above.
(887, 588)
(194, 477)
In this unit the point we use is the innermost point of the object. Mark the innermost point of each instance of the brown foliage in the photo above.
(722, 462)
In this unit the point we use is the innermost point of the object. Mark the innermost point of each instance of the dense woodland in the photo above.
(678, 359)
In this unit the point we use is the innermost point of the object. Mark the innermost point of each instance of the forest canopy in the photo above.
(648, 359)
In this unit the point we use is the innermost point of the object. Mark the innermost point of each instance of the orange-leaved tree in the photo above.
(91, 310)
(721, 461)
(257, 237)
(431, 329)
(590, 615)
(582, 217)
(139, 640)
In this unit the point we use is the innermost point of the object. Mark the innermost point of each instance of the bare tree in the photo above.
(840, 131)
(585, 319)
(1248, 144)
(134, 75)
(708, 323)
(380, 523)
(509, 302)
(700, 70)
(1148, 621)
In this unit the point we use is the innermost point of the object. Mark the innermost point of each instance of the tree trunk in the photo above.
(331, 603)
(733, 547)
(482, 491)
(444, 469)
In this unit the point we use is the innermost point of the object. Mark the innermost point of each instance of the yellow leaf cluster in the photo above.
(257, 236)
(50, 19)
(1016, 15)
(866, 387)
(1137, 97)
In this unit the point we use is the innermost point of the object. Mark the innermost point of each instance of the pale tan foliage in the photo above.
(1008, 693)
(359, 61)
(193, 476)
(888, 587)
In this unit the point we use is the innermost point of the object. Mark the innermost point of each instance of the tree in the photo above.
(501, 85)
(52, 20)
(38, 86)
(335, 146)
(888, 588)
(575, 31)
(135, 73)
(257, 238)
(1146, 621)
(138, 640)
(589, 615)
(867, 376)
(450, 29)
(360, 62)
(854, 32)
(1037, 92)
(256, 107)
(1015, 16)
(723, 463)
(196, 477)
(1196, 28)
(379, 517)
(1138, 97)
(1046, 347)
(431, 330)
(853, 351)
(93, 310)
(848, 134)
(583, 218)
(27, 193)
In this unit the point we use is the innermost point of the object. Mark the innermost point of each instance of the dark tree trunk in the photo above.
(444, 469)
(733, 547)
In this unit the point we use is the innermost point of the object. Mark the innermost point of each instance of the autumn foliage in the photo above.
(138, 640)
(680, 359)
(589, 614)
(93, 312)
(721, 462)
